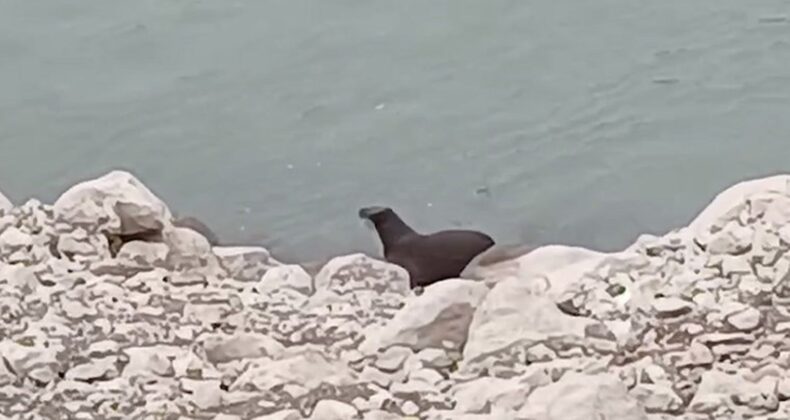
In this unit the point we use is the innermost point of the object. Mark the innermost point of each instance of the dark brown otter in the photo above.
(428, 258)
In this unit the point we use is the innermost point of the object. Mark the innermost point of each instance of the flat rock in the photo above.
(671, 307)
(440, 315)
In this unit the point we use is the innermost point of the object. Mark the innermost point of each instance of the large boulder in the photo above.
(438, 318)
(118, 202)
(516, 311)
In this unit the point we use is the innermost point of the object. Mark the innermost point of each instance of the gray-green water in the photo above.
(583, 122)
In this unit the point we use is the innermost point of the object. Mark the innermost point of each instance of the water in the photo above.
(274, 121)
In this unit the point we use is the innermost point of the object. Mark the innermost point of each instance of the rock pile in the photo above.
(109, 310)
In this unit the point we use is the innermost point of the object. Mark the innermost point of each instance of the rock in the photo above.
(334, 410)
(195, 224)
(101, 369)
(247, 264)
(732, 239)
(719, 390)
(745, 320)
(147, 360)
(118, 202)
(393, 359)
(657, 398)
(474, 396)
(205, 394)
(285, 276)
(697, 354)
(441, 314)
(308, 369)
(511, 313)
(360, 272)
(281, 415)
(5, 204)
(747, 191)
(223, 349)
(582, 397)
(143, 253)
(12, 239)
(550, 269)
(671, 307)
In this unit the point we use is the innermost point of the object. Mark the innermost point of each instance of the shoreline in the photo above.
(110, 309)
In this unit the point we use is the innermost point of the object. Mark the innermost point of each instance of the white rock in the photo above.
(745, 320)
(511, 313)
(13, 239)
(223, 349)
(144, 253)
(381, 415)
(204, 394)
(99, 369)
(148, 360)
(719, 389)
(583, 397)
(189, 249)
(393, 358)
(474, 396)
(442, 313)
(309, 369)
(732, 239)
(117, 201)
(668, 307)
(285, 276)
(5, 204)
(657, 398)
(333, 410)
(245, 263)
(737, 194)
(550, 269)
(358, 271)
(281, 415)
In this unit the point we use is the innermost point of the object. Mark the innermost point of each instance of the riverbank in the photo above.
(109, 310)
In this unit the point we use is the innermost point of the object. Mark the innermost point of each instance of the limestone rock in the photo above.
(358, 271)
(442, 314)
(512, 313)
(582, 397)
(118, 202)
(285, 276)
(5, 204)
(247, 264)
(223, 349)
(334, 410)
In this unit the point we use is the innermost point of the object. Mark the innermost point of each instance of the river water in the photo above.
(543, 121)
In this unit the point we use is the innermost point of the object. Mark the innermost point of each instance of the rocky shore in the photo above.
(110, 311)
